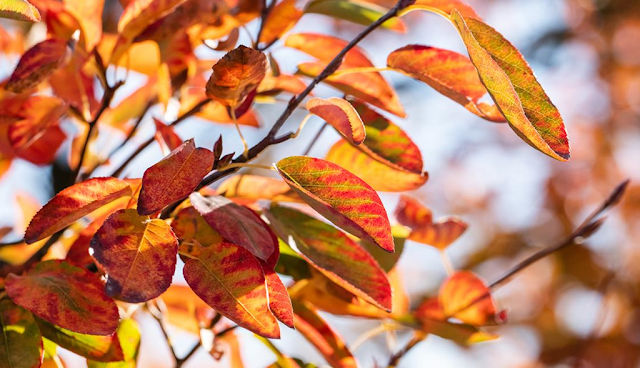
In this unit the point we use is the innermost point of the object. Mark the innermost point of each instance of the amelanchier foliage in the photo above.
(118, 240)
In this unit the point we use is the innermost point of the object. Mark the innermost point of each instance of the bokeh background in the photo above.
(576, 308)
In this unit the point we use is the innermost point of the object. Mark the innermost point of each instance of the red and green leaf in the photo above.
(174, 177)
(73, 203)
(37, 64)
(230, 279)
(341, 115)
(20, 341)
(339, 196)
(137, 253)
(65, 295)
(128, 335)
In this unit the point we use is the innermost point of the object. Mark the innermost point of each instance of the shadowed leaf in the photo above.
(230, 280)
(190, 227)
(334, 254)
(65, 295)
(73, 203)
(339, 196)
(341, 115)
(174, 177)
(20, 341)
(37, 64)
(359, 12)
(138, 255)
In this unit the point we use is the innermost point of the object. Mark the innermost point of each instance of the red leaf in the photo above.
(65, 295)
(339, 196)
(174, 177)
(341, 115)
(279, 301)
(230, 280)
(138, 255)
(37, 64)
(73, 203)
(237, 224)
(166, 137)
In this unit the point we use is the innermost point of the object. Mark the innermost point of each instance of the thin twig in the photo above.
(395, 358)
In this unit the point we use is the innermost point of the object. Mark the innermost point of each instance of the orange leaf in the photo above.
(279, 301)
(443, 7)
(465, 297)
(447, 72)
(65, 295)
(325, 48)
(388, 160)
(73, 203)
(166, 136)
(514, 88)
(339, 196)
(89, 15)
(254, 187)
(282, 18)
(190, 227)
(37, 64)
(229, 279)
(340, 115)
(237, 224)
(174, 177)
(234, 76)
(334, 254)
(322, 337)
(19, 10)
(138, 255)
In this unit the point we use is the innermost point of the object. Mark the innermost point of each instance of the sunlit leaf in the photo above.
(334, 254)
(37, 64)
(65, 295)
(129, 337)
(89, 14)
(166, 136)
(184, 307)
(98, 348)
(137, 253)
(279, 301)
(237, 224)
(341, 115)
(174, 177)
(191, 228)
(447, 72)
(19, 9)
(442, 7)
(20, 341)
(254, 187)
(514, 87)
(73, 203)
(322, 337)
(282, 18)
(465, 297)
(360, 12)
(339, 196)
(234, 76)
(230, 280)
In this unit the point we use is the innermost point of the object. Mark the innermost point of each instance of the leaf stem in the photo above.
(302, 124)
(446, 261)
(232, 112)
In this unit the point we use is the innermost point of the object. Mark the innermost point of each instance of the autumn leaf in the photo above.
(465, 297)
(237, 224)
(73, 203)
(334, 254)
(359, 12)
(19, 10)
(166, 136)
(137, 253)
(341, 115)
(20, 341)
(174, 177)
(37, 64)
(229, 279)
(442, 7)
(279, 300)
(322, 337)
(514, 87)
(128, 335)
(254, 187)
(281, 19)
(89, 15)
(190, 227)
(65, 295)
(325, 48)
(449, 73)
(339, 196)
(234, 76)
(98, 348)
(388, 160)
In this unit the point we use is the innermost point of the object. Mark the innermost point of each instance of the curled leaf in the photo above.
(341, 115)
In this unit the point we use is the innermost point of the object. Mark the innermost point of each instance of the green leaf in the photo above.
(359, 12)
(129, 337)
(20, 342)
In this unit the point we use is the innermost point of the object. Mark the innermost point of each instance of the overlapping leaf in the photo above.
(279, 300)
(237, 224)
(447, 72)
(20, 341)
(234, 76)
(98, 348)
(138, 255)
(359, 12)
(37, 64)
(174, 177)
(191, 228)
(73, 203)
(514, 88)
(338, 257)
(231, 280)
(129, 338)
(254, 187)
(20, 10)
(388, 160)
(339, 196)
(66, 295)
(341, 115)
(282, 18)
(166, 137)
